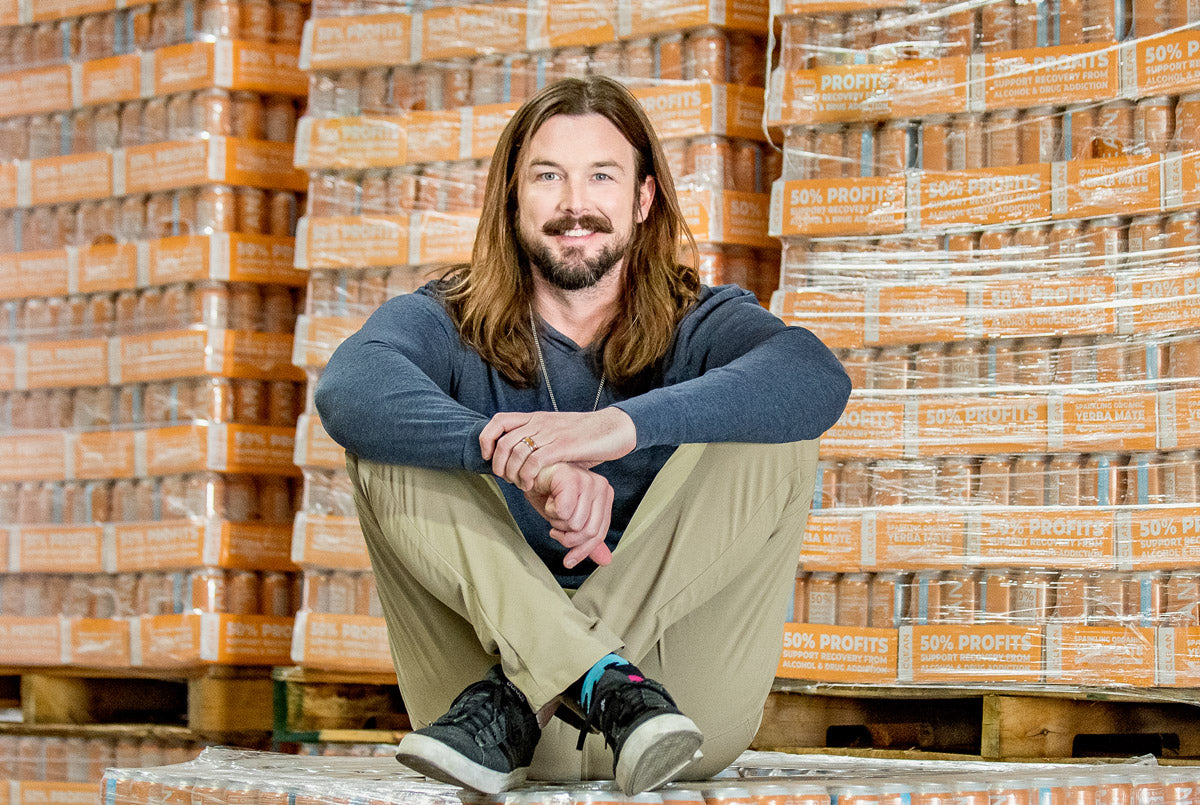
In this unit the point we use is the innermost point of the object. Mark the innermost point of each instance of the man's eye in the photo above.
(603, 177)
(547, 176)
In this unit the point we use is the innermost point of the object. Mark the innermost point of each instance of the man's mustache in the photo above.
(594, 223)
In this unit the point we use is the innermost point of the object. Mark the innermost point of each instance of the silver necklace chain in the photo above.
(537, 345)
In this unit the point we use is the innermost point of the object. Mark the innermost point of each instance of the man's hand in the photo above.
(585, 439)
(578, 505)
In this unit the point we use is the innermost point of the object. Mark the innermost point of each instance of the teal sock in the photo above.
(593, 676)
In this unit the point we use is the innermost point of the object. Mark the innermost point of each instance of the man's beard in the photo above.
(573, 272)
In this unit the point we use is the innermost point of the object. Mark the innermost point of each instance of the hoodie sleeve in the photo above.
(386, 392)
(739, 374)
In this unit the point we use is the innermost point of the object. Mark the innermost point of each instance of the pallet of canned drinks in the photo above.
(222, 775)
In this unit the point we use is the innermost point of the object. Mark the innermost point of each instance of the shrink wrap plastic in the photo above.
(223, 775)
(988, 211)
(148, 301)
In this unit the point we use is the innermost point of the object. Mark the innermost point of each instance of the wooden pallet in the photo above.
(230, 705)
(991, 723)
(337, 707)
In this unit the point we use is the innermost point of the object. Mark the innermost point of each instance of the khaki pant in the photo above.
(696, 595)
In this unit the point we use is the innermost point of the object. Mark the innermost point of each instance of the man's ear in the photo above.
(645, 199)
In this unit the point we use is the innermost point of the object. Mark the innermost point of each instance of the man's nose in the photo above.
(574, 198)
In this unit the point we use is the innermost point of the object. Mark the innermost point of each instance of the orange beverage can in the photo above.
(129, 125)
(929, 366)
(1104, 21)
(1181, 476)
(1114, 129)
(1182, 236)
(958, 601)
(1008, 793)
(257, 20)
(995, 480)
(668, 51)
(213, 112)
(247, 116)
(821, 605)
(1028, 476)
(1080, 791)
(274, 499)
(747, 59)
(853, 600)
(796, 43)
(1032, 242)
(924, 597)
(997, 26)
(830, 149)
(1146, 239)
(830, 40)
(1186, 136)
(891, 369)
(746, 166)
(927, 793)
(1102, 480)
(221, 18)
(887, 483)
(1182, 606)
(891, 148)
(240, 498)
(1002, 135)
(241, 592)
(1110, 604)
(887, 600)
(1151, 17)
(249, 401)
(282, 213)
(1144, 480)
(706, 55)
(279, 119)
(1040, 135)
(1179, 789)
(276, 595)
(216, 209)
(799, 613)
(854, 488)
(997, 595)
(1025, 26)
(1080, 129)
(955, 480)
(1114, 789)
(1033, 596)
(825, 491)
(1106, 242)
(251, 207)
(342, 593)
(287, 22)
(607, 58)
(1072, 597)
(1153, 124)
(1183, 357)
(965, 142)
(208, 588)
(934, 144)
(710, 158)
(1063, 480)
(155, 121)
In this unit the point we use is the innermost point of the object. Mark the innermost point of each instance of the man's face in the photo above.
(578, 200)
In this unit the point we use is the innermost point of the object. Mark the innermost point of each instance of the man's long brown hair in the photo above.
(489, 298)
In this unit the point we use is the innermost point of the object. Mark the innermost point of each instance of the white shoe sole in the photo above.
(435, 759)
(657, 751)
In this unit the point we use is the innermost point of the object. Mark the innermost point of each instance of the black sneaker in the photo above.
(485, 741)
(651, 740)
